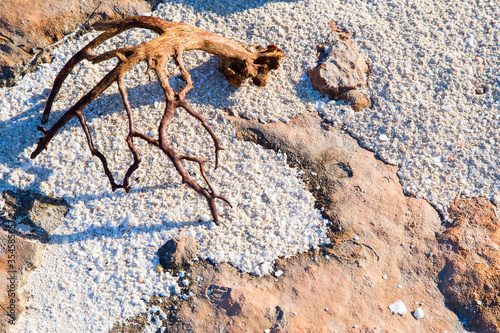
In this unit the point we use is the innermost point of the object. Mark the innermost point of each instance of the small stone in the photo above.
(358, 99)
(383, 137)
(342, 71)
(384, 277)
(419, 313)
(471, 41)
(278, 273)
(495, 199)
(480, 91)
(178, 253)
(398, 307)
(26, 166)
(99, 278)
(205, 218)
(319, 106)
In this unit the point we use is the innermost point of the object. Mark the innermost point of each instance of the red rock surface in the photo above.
(18, 256)
(27, 26)
(471, 277)
(377, 232)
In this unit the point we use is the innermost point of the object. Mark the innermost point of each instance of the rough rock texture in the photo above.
(176, 254)
(23, 215)
(470, 279)
(341, 70)
(31, 215)
(18, 256)
(28, 26)
(383, 250)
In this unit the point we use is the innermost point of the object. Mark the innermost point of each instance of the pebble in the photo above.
(278, 273)
(205, 218)
(471, 41)
(383, 137)
(495, 199)
(398, 307)
(419, 313)
(320, 106)
(26, 166)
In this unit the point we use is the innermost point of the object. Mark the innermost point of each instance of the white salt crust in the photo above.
(427, 58)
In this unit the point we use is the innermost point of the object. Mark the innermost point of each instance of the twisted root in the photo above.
(237, 64)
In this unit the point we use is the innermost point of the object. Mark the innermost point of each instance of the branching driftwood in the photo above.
(238, 62)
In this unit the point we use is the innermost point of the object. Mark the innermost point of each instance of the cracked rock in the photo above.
(342, 71)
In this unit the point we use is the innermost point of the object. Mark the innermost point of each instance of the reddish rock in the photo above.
(377, 231)
(17, 257)
(358, 99)
(24, 216)
(28, 26)
(342, 70)
(178, 253)
(471, 277)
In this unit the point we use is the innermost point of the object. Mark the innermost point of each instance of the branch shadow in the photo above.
(115, 232)
(19, 133)
(33, 216)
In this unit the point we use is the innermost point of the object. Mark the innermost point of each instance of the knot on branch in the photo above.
(258, 67)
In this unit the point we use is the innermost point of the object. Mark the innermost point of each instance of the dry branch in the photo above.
(238, 63)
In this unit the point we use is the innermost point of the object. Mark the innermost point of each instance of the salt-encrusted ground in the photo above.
(427, 58)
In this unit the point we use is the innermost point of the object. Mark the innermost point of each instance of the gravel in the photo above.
(429, 62)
